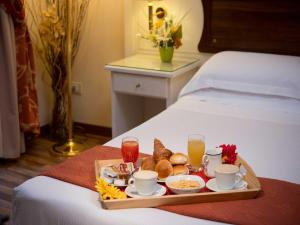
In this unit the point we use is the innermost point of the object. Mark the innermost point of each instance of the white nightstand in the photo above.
(142, 87)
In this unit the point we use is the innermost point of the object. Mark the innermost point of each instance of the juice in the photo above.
(130, 151)
(196, 149)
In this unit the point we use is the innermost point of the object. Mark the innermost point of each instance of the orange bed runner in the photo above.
(278, 203)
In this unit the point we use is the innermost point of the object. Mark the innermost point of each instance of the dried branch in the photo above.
(48, 32)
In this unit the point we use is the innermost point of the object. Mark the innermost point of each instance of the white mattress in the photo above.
(266, 132)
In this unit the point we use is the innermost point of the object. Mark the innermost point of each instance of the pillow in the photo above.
(255, 73)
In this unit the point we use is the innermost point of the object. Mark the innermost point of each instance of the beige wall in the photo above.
(137, 22)
(102, 42)
(110, 33)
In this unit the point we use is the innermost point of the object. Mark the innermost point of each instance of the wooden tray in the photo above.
(252, 192)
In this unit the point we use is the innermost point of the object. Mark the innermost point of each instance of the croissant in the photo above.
(160, 152)
(158, 145)
(148, 163)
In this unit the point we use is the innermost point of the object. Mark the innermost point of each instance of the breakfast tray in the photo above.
(253, 190)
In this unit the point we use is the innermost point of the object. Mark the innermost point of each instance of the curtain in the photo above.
(11, 138)
(19, 108)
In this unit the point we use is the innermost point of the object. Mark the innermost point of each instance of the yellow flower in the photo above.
(159, 23)
(107, 191)
(174, 29)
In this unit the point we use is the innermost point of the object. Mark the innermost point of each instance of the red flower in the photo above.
(228, 153)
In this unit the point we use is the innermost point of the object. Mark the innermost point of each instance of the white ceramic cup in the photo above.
(227, 176)
(211, 159)
(144, 181)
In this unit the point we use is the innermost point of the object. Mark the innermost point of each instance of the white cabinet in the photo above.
(142, 87)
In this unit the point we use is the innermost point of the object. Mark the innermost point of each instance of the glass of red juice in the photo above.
(130, 149)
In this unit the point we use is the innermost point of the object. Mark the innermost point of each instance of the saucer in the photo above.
(212, 185)
(131, 192)
(159, 180)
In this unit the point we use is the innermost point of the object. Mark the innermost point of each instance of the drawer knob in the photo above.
(138, 85)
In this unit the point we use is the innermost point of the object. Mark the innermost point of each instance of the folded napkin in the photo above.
(278, 203)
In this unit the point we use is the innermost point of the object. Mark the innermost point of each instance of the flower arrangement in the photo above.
(228, 153)
(48, 31)
(165, 33)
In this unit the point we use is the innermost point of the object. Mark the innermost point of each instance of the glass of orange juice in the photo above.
(196, 149)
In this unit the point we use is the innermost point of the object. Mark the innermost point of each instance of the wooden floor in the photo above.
(36, 160)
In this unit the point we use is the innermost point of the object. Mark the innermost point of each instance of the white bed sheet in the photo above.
(47, 201)
(267, 136)
(266, 130)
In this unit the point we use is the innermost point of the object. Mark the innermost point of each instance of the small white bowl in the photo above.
(172, 179)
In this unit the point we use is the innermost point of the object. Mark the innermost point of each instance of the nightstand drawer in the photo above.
(140, 85)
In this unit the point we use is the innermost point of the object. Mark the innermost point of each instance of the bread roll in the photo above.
(148, 163)
(160, 152)
(164, 169)
(180, 170)
(178, 159)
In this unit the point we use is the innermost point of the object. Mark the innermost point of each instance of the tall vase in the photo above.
(166, 54)
(59, 131)
(59, 128)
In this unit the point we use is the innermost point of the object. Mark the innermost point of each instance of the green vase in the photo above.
(166, 54)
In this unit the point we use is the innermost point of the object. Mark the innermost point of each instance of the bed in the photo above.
(243, 98)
